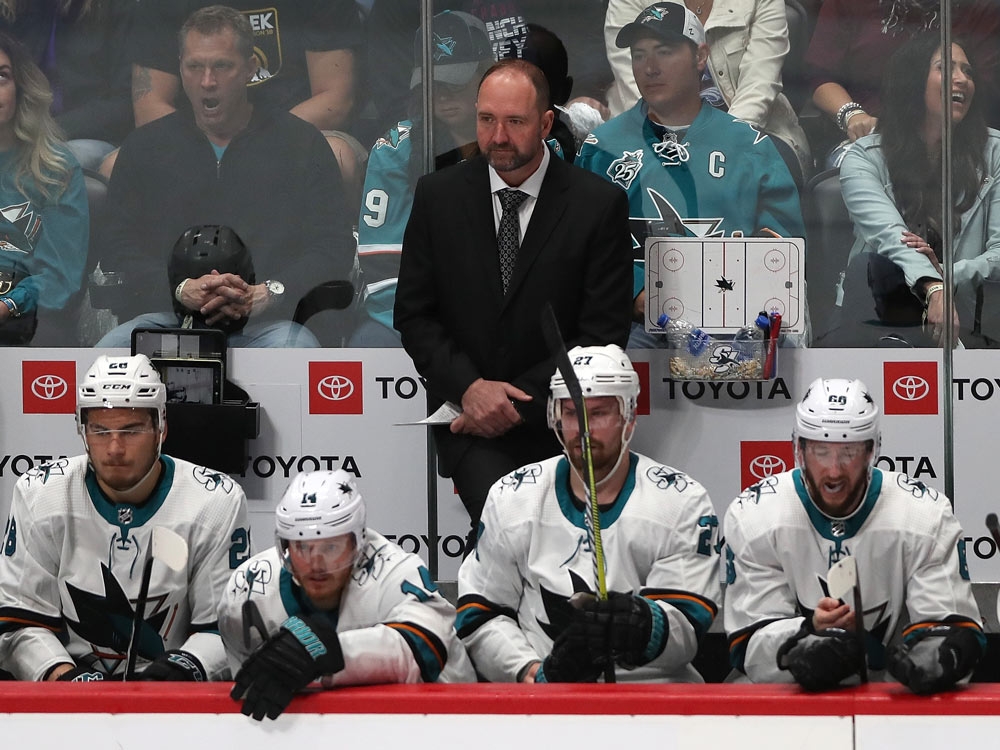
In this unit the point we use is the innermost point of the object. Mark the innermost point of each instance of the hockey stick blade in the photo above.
(168, 547)
(994, 527)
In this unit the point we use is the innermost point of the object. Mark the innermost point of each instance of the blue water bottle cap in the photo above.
(763, 322)
(663, 320)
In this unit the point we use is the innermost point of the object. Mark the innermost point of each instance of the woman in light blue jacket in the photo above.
(892, 187)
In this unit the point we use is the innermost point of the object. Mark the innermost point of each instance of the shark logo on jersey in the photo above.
(44, 471)
(396, 136)
(625, 169)
(759, 135)
(582, 544)
(371, 565)
(105, 620)
(754, 493)
(917, 488)
(255, 578)
(668, 221)
(663, 478)
(524, 475)
(212, 480)
(26, 222)
(558, 610)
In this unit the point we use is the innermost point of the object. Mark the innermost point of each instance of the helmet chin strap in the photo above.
(622, 452)
(156, 460)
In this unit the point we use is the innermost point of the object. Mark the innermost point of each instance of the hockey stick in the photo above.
(168, 547)
(556, 344)
(994, 527)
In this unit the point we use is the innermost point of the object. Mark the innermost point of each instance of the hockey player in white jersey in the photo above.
(659, 531)
(333, 602)
(785, 532)
(80, 531)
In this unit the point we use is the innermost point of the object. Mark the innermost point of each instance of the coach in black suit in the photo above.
(477, 345)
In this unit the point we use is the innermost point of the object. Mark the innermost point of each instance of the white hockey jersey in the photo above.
(533, 554)
(72, 564)
(394, 625)
(904, 537)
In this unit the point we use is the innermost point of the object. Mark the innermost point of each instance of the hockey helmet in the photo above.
(204, 248)
(602, 371)
(122, 382)
(837, 410)
(319, 505)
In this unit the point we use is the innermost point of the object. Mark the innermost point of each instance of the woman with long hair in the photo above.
(892, 187)
(44, 221)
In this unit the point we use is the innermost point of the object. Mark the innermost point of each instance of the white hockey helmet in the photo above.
(602, 371)
(319, 505)
(836, 410)
(122, 382)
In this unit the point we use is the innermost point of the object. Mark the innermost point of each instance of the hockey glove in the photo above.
(819, 660)
(82, 674)
(173, 666)
(570, 660)
(935, 659)
(304, 649)
(630, 628)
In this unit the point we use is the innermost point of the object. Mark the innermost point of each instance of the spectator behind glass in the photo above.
(688, 168)
(44, 221)
(853, 41)
(892, 188)
(391, 24)
(747, 41)
(80, 45)
(265, 173)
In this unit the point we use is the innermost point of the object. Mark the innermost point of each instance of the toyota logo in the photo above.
(49, 387)
(911, 388)
(763, 467)
(335, 388)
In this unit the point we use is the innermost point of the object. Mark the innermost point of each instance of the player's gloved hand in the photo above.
(304, 649)
(819, 660)
(571, 660)
(630, 628)
(935, 659)
(82, 674)
(173, 666)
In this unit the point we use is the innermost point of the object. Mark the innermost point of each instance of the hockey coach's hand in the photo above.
(304, 649)
(633, 630)
(819, 660)
(935, 659)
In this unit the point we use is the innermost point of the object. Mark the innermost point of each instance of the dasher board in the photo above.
(721, 284)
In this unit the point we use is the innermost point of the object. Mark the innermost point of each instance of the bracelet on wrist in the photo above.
(11, 307)
(844, 111)
(932, 289)
(179, 290)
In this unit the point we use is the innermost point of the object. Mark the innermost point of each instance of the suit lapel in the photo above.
(549, 208)
(482, 239)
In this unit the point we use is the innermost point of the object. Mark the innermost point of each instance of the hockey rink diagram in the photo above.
(720, 285)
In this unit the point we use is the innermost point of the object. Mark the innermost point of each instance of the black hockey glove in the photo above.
(173, 666)
(304, 649)
(570, 660)
(935, 659)
(625, 626)
(82, 674)
(819, 660)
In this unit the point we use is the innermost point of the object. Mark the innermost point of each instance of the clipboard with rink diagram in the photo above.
(721, 284)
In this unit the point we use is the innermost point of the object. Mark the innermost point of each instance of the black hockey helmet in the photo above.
(198, 251)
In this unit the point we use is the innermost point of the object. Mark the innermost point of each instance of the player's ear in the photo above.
(701, 56)
(163, 433)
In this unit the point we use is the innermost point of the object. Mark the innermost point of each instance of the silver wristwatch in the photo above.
(274, 288)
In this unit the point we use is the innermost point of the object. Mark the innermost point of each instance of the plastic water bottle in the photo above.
(747, 340)
(682, 335)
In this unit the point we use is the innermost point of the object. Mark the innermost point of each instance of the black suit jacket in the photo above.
(457, 324)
